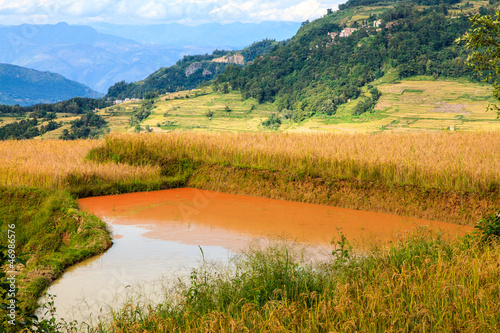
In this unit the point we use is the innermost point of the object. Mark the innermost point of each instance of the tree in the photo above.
(482, 40)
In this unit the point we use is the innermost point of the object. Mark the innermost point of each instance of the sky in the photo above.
(192, 12)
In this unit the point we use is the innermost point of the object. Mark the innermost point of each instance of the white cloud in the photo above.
(162, 11)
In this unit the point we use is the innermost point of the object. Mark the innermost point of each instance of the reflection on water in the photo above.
(160, 234)
(134, 266)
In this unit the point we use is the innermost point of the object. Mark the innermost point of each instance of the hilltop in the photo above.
(24, 86)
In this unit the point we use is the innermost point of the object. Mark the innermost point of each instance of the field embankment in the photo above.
(441, 176)
(51, 233)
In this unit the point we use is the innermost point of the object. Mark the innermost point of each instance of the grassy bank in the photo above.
(424, 283)
(51, 233)
(429, 175)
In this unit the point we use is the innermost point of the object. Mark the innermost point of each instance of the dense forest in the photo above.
(26, 129)
(187, 73)
(315, 72)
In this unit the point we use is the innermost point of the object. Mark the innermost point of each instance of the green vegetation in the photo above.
(90, 125)
(77, 105)
(189, 72)
(317, 72)
(41, 119)
(26, 129)
(354, 3)
(52, 234)
(484, 59)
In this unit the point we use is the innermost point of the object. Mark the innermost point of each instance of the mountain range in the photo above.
(99, 60)
(229, 36)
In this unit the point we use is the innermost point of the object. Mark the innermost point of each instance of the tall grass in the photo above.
(424, 283)
(57, 164)
(468, 162)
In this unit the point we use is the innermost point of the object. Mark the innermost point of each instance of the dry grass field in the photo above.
(48, 164)
(442, 160)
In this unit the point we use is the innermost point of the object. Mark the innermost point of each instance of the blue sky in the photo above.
(14, 12)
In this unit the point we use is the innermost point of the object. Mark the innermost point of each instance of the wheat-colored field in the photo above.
(48, 164)
(450, 161)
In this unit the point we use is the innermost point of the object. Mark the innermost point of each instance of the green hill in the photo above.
(336, 58)
(24, 86)
(333, 60)
(190, 71)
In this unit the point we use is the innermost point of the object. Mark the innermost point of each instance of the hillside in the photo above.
(334, 60)
(24, 86)
(190, 71)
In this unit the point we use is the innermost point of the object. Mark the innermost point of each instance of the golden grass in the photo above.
(467, 162)
(48, 163)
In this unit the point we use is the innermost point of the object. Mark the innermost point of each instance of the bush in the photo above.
(489, 227)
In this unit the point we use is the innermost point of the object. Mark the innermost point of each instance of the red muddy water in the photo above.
(194, 216)
(162, 235)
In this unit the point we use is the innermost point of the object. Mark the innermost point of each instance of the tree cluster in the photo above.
(26, 129)
(77, 105)
(90, 125)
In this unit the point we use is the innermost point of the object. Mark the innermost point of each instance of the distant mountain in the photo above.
(99, 60)
(24, 86)
(222, 36)
(82, 54)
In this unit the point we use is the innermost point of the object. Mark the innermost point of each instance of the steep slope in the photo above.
(24, 86)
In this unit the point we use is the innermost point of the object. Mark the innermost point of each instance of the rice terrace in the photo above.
(344, 179)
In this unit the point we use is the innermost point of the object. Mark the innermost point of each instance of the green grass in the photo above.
(423, 283)
(52, 234)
